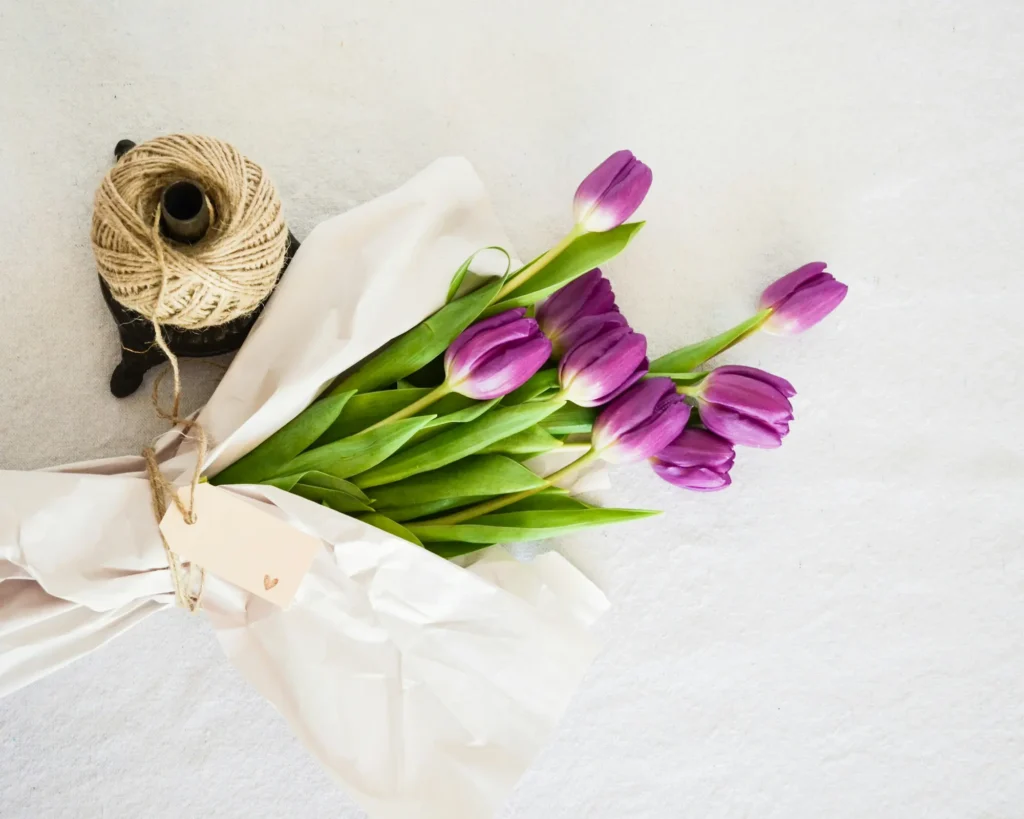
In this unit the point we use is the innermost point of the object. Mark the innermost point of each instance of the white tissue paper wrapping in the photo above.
(425, 687)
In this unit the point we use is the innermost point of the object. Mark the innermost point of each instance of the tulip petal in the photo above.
(788, 284)
(559, 316)
(748, 396)
(496, 356)
(471, 332)
(630, 409)
(604, 365)
(637, 374)
(601, 299)
(506, 369)
(781, 384)
(591, 189)
(583, 355)
(621, 201)
(651, 435)
(484, 343)
(806, 307)
(741, 429)
(637, 424)
(698, 448)
(587, 328)
(696, 479)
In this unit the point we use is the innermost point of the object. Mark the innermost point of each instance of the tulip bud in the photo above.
(698, 460)
(612, 192)
(641, 422)
(590, 327)
(801, 299)
(496, 356)
(602, 367)
(746, 406)
(589, 295)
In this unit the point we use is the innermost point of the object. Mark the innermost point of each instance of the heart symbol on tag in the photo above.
(269, 582)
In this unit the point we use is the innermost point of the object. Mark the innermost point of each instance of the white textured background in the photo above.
(841, 634)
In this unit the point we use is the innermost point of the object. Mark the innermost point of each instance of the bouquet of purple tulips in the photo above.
(431, 437)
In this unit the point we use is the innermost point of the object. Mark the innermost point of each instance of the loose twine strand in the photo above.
(225, 275)
(159, 487)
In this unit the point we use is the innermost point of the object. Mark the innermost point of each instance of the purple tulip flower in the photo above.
(746, 406)
(641, 422)
(697, 460)
(588, 296)
(603, 366)
(496, 355)
(801, 299)
(612, 192)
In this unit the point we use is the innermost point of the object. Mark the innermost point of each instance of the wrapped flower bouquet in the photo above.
(396, 410)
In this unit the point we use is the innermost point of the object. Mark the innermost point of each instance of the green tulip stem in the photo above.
(683, 361)
(745, 329)
(539, 263)
(507, 500)
(415, 407)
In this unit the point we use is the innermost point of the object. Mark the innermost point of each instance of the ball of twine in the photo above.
(226, 274)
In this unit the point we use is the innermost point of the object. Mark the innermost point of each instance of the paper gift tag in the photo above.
(237, 541)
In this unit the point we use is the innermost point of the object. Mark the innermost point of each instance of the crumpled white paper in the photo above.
(425, 687)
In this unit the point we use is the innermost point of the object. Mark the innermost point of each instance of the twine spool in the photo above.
(226, 274)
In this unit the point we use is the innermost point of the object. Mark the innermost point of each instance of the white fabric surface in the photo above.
(838, 635)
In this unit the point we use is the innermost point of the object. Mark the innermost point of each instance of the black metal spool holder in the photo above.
(186, 218)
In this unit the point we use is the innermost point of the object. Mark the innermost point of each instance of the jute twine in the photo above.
(226, 274)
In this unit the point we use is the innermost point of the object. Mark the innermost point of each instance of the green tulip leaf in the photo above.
(462, 416)
(585, 253)
(457, 442)
(318, 479)
(366, 409)
(285, 482)
(419, 346)
(358, 452)
(460, 274)
(475, 476)
(547, 501)
(322, 479)
(684, 360)
(336, 499)
(517, 527)
(543, 381)
(532, 441)
(454, 549)
(289, 441)
(570, 420)
(415, 511)
(392, 527)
